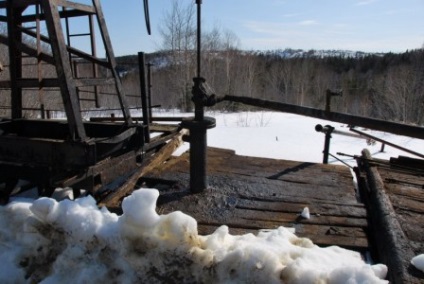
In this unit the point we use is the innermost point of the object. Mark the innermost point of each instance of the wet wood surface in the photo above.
(250, 194)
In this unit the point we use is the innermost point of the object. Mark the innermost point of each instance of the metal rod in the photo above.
(198, 100)
(320, 128)
(199, 36)
(149, 89)
(388, 143)
(326, 151)
(341, 161)
(143, 88)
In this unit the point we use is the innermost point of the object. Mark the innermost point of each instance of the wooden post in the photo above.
(63, 69)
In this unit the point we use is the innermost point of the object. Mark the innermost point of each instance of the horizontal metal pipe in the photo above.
(387, 143)
(376, 124)
(324, 129)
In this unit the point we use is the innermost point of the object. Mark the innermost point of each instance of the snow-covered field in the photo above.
(74, 241)
(293, 137)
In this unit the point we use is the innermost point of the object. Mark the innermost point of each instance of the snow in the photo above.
(418, 262)
(48, 241)
(305, 213)
(74, 241)
(292, 137)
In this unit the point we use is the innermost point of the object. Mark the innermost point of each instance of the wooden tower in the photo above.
(41, 30)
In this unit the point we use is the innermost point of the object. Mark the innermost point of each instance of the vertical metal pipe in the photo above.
(143, 89)
(198, 104)
(328, 130)
(198, 180)
(149, 89)
(199, 36)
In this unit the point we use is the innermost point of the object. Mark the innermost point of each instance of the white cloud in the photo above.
(292, 15)
(308, 23)
(365, 2)
(273, 35)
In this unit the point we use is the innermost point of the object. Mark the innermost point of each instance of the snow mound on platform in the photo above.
(74, 241)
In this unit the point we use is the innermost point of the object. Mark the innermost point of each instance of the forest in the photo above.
(387, 86)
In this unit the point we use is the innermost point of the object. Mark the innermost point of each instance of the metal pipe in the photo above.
(146, 119)
(320, 128)
(199, 124)
(377, 124)
(386, 142)
(149, 89)
(328, 129)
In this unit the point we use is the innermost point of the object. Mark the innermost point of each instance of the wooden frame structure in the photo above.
(25, 18)
(46, 154)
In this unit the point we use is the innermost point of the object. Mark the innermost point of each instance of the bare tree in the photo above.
(179, 40)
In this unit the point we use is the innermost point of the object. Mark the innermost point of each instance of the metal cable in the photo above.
(147, 16)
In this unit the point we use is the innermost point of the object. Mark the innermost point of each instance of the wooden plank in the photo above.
(391, 241)
(406, 191)
(241, 196)
(72, 50)
(14, 19)
(257, 187)
(249, 215)
(296, 172)
(154, 127)
(76, 6)
(28, 50)
(320, 208)
(162, 155)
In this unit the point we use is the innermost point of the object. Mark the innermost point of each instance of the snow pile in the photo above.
(74, 241)
(418, 262)
(305, 213)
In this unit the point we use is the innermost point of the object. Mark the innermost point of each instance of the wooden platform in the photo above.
(249, 194)
(394, 195)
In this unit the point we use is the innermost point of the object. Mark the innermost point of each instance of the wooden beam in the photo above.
(391, 242)
(72, 50)
(62, 14)
(63, 69)
(14, 16)
(149, 164)
(77, 6)
(111, 57)
(29, 50)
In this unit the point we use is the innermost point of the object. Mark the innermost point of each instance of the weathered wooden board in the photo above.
(249, 194)
(396, 209)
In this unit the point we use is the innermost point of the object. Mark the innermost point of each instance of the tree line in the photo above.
(385, 86)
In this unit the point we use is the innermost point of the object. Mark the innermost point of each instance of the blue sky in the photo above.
(366, 25)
